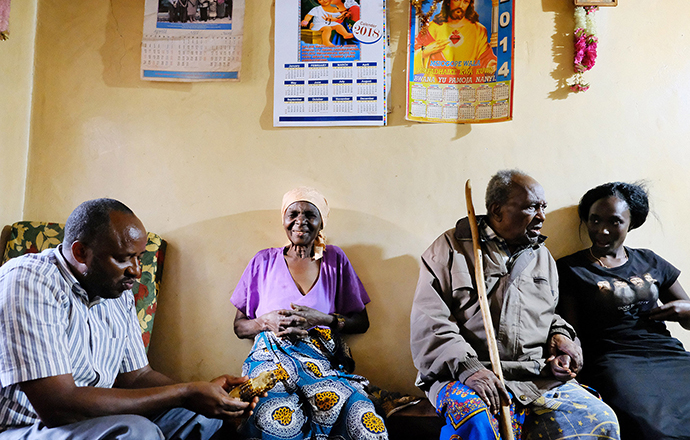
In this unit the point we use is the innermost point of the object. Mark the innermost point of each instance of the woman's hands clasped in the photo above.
(278, 321)
(295, 322)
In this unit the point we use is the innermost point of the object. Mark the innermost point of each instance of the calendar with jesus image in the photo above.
(464, 45)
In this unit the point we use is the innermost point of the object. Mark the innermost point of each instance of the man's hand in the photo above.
(58, 401)
(231, 382)
(487, 386)
(560, 367)
(211, 398)
(565, 357)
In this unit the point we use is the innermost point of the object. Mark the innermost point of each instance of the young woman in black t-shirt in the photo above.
(618, 298)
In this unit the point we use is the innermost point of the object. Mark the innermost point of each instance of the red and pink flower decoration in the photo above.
(585, 41)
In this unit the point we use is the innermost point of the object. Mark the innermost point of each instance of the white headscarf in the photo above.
(307, 194)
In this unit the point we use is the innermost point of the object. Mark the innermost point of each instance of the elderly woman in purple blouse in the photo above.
(295, 301)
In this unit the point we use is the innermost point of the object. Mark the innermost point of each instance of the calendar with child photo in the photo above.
(330, 64)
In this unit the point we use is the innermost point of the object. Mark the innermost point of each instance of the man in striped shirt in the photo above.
(72, 361)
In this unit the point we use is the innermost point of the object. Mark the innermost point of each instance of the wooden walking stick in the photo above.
(504, 420)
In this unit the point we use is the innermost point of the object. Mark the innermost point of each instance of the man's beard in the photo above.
(457, 14)
(97, 283)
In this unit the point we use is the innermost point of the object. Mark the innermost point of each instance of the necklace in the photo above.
(600, 262)
(424, 18)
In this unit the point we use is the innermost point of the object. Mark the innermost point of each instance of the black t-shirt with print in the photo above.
(611, 303)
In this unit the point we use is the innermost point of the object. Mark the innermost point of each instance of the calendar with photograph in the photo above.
(192, 40)
(330, 63)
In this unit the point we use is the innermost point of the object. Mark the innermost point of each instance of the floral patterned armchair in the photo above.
(32, 237)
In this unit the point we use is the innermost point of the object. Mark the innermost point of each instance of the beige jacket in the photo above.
(447, 335)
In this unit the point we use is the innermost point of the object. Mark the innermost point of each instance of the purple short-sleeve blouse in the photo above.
(266, 285)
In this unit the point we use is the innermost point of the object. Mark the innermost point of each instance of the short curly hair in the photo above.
(635, 195)
(90, 220)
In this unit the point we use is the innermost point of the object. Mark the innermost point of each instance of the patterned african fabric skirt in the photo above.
(468, 417)
(568, 411)
(315, 397)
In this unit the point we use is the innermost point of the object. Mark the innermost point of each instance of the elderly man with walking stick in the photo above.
(538, 351)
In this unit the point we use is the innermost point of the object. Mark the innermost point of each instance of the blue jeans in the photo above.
(176, 424)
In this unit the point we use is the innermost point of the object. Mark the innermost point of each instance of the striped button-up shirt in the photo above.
(48, 327)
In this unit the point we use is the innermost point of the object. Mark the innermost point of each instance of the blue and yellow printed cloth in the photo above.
(565, 412)
(315, 397)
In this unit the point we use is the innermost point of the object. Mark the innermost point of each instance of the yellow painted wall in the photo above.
(202, 165)
(16, 80)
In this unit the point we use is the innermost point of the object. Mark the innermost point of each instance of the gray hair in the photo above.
(499, 187)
